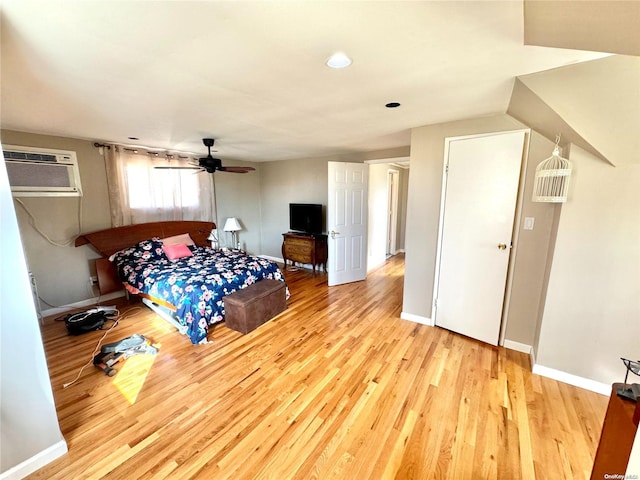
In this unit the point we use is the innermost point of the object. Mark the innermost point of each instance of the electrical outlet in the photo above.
(93, 279)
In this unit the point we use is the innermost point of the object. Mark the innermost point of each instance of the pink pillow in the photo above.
(174, 252)
(185, 238)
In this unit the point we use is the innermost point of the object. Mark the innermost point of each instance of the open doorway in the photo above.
(393, 178)
(388, 186)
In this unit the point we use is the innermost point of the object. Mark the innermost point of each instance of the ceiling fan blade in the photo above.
(237, 169)
(211, 164)
(177, 168)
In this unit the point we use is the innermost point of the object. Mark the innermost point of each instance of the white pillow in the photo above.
(183, 239)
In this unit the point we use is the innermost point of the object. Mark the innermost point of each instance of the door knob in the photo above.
(502, 246)
(334, 233)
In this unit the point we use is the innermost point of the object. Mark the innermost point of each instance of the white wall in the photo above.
(531, 257)
(29, 432)
(285, 182)
(238, 195)
(377, 223)
(592, 311)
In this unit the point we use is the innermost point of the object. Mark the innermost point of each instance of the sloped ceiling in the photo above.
(595, 105)
(598, 100)
(528, 108)
(600, 26)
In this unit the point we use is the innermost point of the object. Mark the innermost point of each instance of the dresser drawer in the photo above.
(299, 242)
(298, 249)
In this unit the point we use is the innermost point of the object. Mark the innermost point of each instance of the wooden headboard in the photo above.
(109, 241)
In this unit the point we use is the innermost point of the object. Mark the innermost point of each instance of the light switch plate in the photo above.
(528, 223)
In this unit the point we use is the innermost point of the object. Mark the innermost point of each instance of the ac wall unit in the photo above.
(42, 172)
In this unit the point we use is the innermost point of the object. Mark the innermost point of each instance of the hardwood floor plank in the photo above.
(337, 386)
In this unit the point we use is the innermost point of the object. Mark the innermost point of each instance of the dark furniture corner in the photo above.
(617, 437)
(305, 248)
(107, 274)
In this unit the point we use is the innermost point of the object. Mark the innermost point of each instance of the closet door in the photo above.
(480, 189)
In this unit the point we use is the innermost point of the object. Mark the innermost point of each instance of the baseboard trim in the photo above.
(416, 318)
(273, 259)
(532, 358)
(576, 381)
(36, 462)
(83, 303)
(518, 347)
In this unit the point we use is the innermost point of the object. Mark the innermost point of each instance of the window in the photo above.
(163, 189)
(141, 193)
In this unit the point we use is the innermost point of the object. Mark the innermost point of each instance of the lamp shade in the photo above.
(213, 235)
(232, 225)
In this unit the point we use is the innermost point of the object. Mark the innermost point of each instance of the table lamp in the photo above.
(233, 225)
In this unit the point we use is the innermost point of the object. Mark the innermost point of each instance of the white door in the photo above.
(347, 222)
(480, 189)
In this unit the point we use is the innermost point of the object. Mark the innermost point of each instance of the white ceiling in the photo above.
(252, 74)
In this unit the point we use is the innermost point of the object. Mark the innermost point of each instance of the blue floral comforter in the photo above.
(195, 285)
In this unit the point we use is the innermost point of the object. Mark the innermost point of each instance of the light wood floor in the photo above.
(336, 387)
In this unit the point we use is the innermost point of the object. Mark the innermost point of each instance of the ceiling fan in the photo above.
(209, 164)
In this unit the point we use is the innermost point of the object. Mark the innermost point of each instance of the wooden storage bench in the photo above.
(247, 309)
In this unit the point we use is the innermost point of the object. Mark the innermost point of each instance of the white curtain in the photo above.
(140, 193)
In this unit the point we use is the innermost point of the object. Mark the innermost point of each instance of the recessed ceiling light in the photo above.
(338, 60)
(392, 105)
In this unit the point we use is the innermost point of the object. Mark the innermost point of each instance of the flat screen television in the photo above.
(305, 217)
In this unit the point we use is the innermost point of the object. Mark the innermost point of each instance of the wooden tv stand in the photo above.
(305, 248)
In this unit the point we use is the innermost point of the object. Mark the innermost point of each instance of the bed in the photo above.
(170, 265)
